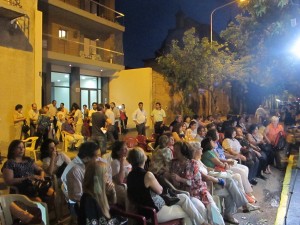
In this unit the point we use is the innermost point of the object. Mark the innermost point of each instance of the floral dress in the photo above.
(190, 171)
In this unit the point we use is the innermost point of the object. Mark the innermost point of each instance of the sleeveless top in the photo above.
(139, 194)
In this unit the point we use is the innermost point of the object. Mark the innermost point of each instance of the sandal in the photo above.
(231, 220)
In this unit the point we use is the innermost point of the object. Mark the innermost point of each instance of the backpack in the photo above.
(43, 123)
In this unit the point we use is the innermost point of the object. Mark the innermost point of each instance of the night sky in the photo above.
(147, 23)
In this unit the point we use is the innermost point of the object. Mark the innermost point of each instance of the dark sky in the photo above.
(147, 23)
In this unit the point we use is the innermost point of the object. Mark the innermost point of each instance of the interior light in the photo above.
(58, 80)
(70, 65)
(66, 76)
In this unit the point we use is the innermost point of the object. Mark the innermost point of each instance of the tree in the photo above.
(194, 64)
(261, 38)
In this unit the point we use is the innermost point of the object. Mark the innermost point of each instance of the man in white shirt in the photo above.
(33, 117)
(158, 117)
(140, 118)
(116, 112)
(111, 128)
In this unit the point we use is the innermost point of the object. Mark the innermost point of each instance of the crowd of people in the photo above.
(194, 153)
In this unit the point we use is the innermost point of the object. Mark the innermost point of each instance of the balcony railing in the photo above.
(101, 10)
(89, 49)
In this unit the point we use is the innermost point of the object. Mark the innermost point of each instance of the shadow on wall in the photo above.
(11, 36)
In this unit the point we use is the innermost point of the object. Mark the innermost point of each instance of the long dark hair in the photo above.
(185, 149)
(116, 148)
(45, 148)
(12, 147)
(228, 132)
(206, 145)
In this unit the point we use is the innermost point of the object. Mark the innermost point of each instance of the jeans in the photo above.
(141, 129)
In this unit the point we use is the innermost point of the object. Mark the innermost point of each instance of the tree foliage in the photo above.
(197, 64)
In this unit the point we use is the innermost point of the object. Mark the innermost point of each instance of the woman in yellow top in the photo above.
(18, 121)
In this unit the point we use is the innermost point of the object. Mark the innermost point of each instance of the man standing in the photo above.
(140, 118)
(100, 122)
(52, 112)
(33, 117)
(111, 128)
(94, 109)
(71, 137)
(63, 109)
(158, 117)
(116, 112)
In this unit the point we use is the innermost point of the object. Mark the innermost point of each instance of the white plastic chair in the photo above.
(6, 200)
(30, 147)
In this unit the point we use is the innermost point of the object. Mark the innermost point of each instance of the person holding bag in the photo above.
(25, 174)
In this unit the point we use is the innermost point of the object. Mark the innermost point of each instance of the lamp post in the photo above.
(211, 17)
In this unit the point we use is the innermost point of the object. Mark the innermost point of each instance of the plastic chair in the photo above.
(30, 146)
(130, 142)
(6, 200)
(142, 142)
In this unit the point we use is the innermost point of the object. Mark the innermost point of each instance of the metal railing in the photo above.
(102, 11)
(80, 49)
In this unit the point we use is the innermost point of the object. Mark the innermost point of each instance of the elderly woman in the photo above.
(270, 135)
(161, 157)
(144, 189)
(226, 188)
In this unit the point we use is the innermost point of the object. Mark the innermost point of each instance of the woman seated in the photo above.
(178, 133)
(24, 173)
(251, 161)
(94, 204)
(201, 132)
(53, 162)
(120, 170)
(233, 195)
(144, 189)
(191, 132)
(161, 157)
(215, 157)
(260, 146)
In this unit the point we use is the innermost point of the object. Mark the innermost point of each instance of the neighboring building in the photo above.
(66, 50)
(21, 61)
(82, 49)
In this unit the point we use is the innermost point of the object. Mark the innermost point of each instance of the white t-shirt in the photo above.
(61, 158)
(115, 167)
(232, 143)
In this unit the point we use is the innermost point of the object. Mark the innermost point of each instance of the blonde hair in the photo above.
(136, 157)
(274, 118)
(95, 184)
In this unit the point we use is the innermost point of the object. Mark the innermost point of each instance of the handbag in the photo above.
(34, 188)
(170, 198)
(118, 220)
(25, 127)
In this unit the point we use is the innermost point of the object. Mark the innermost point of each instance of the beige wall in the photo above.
(20, 75)
(130, 87)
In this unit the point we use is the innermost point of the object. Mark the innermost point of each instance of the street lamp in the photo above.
(212, 13)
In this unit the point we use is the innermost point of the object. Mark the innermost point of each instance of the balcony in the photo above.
(87, 54)
(91, 15)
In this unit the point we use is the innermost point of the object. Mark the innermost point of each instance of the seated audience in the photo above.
(144, 189)
(191, 132)
(53, 162)
(120, 169)
(201, 132)
(71, 136)
(97, 191)
(261, 147)
(25, 174)
(251, 161)
(178, 133)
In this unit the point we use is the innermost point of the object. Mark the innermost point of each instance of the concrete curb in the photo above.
(282, 209)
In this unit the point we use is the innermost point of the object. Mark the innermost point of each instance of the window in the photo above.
(90, 90)
(62, 34)
(60, 88)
